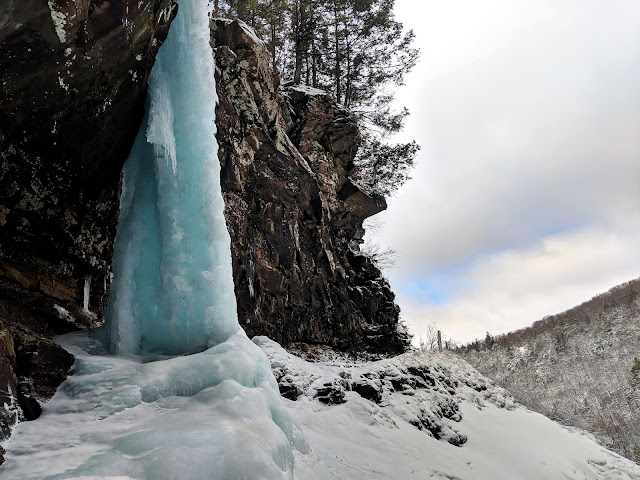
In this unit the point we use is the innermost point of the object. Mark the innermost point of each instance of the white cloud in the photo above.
(528, 113)
(510, 290)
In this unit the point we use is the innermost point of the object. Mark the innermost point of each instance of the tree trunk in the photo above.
(299, 19)
(347, 90)
(314, 67)
(274, 39)
(337, 47)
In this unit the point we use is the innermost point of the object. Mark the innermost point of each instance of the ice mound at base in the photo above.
(212, 415)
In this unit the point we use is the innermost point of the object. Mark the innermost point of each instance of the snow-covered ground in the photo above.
(201, 416)
(577, 367)
(211, 415)
(411, 400)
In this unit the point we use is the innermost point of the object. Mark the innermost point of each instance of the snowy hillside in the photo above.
(580, 367)
(423, 416)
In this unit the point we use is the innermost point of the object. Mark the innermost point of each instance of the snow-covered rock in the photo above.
(426, 415)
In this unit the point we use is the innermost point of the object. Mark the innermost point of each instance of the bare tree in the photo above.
(428, 339)
(383, 257)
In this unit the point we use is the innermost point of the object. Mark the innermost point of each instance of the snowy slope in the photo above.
(414, 399)
(577, 367)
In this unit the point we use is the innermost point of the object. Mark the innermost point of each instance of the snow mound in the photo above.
(426, 415)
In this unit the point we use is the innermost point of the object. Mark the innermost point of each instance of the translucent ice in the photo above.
(212, 415)
(86, 292)
(173, 288)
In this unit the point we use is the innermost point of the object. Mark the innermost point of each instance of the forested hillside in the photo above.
(357, 51)
(580, 367)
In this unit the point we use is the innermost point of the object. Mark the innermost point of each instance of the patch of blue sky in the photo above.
(437, 289)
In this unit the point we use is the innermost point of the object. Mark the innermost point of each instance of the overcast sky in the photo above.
(526, 197)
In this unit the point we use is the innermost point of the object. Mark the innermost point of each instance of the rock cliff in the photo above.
(72, 88)
(294, 216)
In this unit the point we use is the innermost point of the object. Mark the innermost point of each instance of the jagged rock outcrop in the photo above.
(73, 77)
(426, 390)
(294, 215)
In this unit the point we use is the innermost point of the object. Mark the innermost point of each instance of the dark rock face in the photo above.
(366, 388)
(294, 216)
(72, 86)
(332, 393)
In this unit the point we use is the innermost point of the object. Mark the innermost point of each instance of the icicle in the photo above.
(250, 275)
(87, 291)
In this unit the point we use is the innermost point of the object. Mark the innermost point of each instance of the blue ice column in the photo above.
(173, 287)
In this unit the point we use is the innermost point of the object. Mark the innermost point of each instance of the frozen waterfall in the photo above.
(178, 391)
(173, 286)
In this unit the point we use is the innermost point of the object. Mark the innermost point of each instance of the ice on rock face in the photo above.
(176, 390)
(173, 287)
(86, 292)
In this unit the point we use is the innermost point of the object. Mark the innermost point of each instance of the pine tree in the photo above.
(354, 49)
(383, 167)
(371, 55)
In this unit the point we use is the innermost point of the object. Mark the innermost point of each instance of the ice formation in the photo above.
(86, 293)
(173, 287)
(177, 390)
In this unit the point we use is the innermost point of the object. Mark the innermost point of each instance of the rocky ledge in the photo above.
(425, 389)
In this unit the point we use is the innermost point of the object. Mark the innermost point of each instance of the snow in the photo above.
(215, 414)
(63, 85)
(307, 90)
(576, 367)
(364, 439)
(59, 22)
(208, 415)
(257, 40)
(250, 32)
(63, 313)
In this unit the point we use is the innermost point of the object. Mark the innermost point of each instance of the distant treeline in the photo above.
(354, 49)
(579, 367)
(583, 314)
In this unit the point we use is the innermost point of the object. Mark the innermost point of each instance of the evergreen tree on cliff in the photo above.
(354, 49)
